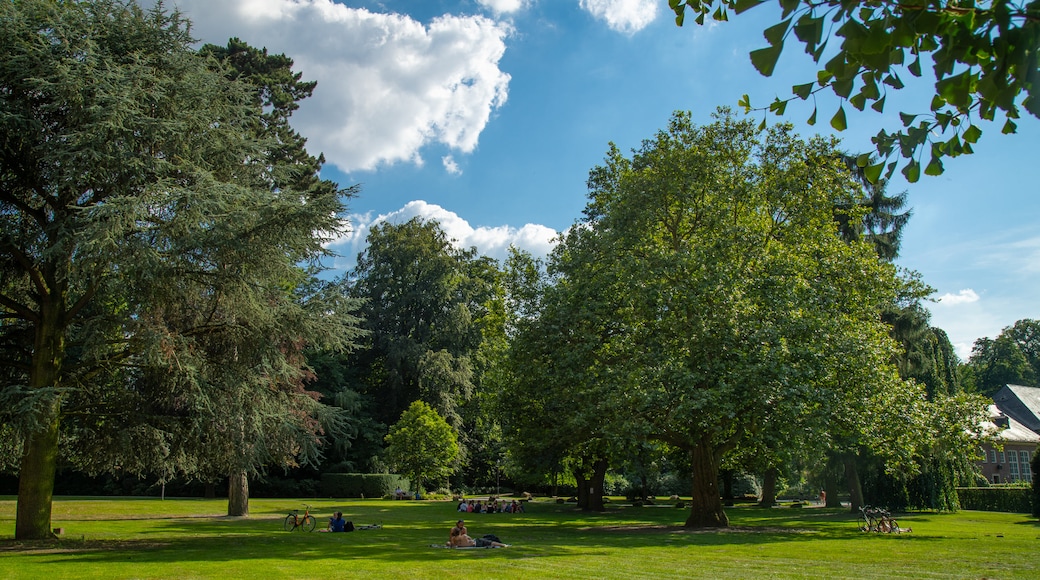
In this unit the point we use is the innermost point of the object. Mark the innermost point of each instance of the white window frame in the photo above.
(1013, 464)
(1027, 470)
(992, 455)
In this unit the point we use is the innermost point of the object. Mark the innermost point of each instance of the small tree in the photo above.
(422, 445)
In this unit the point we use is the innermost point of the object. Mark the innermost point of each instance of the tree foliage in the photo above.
(983, 57)
(1011, 358)
(422, 445)
(726, 309)
(153, 299)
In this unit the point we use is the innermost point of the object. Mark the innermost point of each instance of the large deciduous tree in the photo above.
(150, 252)
(983, 57)
(738, 306)
(426, 306)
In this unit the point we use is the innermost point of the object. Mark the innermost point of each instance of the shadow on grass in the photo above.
(407, 538)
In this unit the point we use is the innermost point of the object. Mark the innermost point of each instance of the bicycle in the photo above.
(294, 521)
(878, 520)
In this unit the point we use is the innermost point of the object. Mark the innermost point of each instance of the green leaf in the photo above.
(778, 106)
(873, 172)
(907, 119)
(720, 15)
(803, 91)
(744, 5)
(912, 171)
(893, 81)
(765, 59)
(972, 134)
(862, 159)
(935, 167)
(1009, 127)
(879, 105)
(744, 102)
(838, 120)
(775, 33)
(858, 101)
(812, 118)
(915, 67)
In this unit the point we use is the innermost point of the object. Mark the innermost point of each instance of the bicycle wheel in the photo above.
(893, 526)
(864, 524)
(308, 523)
(290, 522)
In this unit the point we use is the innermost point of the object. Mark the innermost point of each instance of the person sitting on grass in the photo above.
(336, 523)
(458, 537)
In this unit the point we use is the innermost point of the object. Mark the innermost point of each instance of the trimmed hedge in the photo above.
(361, 484)
(996, 499)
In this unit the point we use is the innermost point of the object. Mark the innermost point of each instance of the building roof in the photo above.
(1007, 429)
(1020, 403)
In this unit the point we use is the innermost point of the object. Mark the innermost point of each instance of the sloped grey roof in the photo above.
(1020, 403)
(1015, 432)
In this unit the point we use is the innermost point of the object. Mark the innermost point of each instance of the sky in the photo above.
(487, 115)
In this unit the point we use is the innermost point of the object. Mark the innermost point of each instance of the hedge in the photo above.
(361, 484)
(996, 499)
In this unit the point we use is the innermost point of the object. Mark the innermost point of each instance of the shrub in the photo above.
(361, 484)
(1036, 482)
(995, 499)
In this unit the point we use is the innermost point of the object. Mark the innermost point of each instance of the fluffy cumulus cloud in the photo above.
(966, 296)
(625, 16)
(504, 6)
(387, 84)
(489, 241)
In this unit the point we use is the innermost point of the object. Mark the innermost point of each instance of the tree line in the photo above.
(727, 303)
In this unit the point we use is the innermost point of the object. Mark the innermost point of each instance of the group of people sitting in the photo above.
(493, 506)
(338, 524)
(458, 537)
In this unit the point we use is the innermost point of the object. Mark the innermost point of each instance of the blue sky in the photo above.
(488, 114)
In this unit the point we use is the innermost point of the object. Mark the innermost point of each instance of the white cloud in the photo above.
(504, 6)
(966, 296)
(450, 165)
(489, 241)
(625, 16)
(387, 84)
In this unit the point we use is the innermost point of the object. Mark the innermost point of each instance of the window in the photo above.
(1027, 472)
(1002, 460)
(992, 455)
(1013, 457)
(996, 479)
(984, 455)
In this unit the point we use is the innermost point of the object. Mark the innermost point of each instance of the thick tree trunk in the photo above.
(768, 498)
(40, 454)
(36, 481)
(855, 487)
(238, 493)
(706, 506)
(583, 488)
(595, 486)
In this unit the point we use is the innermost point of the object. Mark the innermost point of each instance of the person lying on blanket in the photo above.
(459, 538)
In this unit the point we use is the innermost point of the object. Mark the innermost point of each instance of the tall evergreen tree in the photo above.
(149, 236)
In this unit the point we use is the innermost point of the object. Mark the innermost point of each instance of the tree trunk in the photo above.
(855, 487)
(36, 481)
(40, 454)
(832, 478)
(595, 486)
(583, 488)
(706, 506)
(238, 493)
(727, 487)
(768, 498)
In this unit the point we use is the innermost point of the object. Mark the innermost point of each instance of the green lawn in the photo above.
(187, 538)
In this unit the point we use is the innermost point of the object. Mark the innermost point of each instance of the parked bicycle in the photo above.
(294, 521)
(878, 520)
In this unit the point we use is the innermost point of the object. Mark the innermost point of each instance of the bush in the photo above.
(1036, 483)
(361, 484)
(995, 499)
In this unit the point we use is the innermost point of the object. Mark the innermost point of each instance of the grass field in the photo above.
(188, 538)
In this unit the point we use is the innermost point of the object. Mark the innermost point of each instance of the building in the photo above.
(1015, 422)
